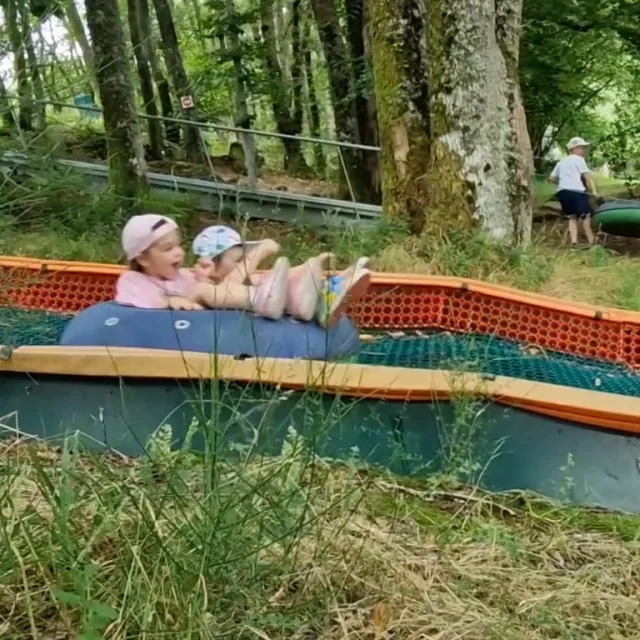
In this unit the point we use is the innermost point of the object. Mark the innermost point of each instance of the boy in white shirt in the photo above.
(575, 185)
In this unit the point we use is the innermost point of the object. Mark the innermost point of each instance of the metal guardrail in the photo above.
(230, 199)
(200, 124)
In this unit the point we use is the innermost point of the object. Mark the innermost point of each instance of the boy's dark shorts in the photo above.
(575, 203)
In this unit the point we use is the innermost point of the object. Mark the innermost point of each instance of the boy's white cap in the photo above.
(577, 142)
(215, 240)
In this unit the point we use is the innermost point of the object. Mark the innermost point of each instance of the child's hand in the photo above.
(178, 303)
(203, 270)
(269, 247)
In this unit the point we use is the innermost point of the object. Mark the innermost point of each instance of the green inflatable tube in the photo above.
(619, 219)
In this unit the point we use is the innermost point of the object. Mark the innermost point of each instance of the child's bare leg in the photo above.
(321, 259)
(586, 225)
(573, 229)
(228, 295)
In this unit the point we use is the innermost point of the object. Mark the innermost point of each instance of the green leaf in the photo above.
(68, 597)
(102, 610)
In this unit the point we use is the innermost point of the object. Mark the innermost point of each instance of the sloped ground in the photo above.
(297, 548)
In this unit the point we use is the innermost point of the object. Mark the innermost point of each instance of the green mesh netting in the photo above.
(484, 354)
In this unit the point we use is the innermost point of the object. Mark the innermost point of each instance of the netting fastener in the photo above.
(5, 352)
(597, 315)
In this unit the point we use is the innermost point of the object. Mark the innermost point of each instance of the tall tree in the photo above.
(77, 32)
(227, 26)
(6, 108)
(455, 150)
(572, 53)
(25, 88)
(286, 97)
(173, 57)
(127, 169)
(313, 116)
(341, 85)
(140, 52)
(363, 93)
(33, 65)
(172, 130)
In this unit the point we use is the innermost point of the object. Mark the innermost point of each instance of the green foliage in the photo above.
(575, 57)
(45, 8)
(226, 18)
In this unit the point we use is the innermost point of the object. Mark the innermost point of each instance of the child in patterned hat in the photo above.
(223, 257)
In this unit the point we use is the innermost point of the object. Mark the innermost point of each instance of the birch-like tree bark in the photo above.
(455, 149)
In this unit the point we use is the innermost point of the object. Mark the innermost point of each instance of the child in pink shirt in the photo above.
(156, 278)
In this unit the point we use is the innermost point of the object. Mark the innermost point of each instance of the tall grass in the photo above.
(291, 546)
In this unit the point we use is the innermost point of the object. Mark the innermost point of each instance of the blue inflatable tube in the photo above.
(232, 333)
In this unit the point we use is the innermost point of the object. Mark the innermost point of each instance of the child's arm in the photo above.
(588, 179)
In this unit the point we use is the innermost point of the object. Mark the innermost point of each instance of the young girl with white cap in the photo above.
(225, 258)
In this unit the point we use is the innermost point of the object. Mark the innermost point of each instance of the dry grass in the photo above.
(301, 551)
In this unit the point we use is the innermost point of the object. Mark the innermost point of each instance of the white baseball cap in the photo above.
(577, 142)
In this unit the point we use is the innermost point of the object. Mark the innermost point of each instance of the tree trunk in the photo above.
(243, 119)
(314, 111)
(172, 129)
(6, 108)
(364, 97)
(25, 90)
(286, 101)
(127, 167)
(140, 50)
(297, 81)
(181, 84)
(520, 162)
(454, 148)
(199, 27)
(40, 108)
(77, 32)
(342, 93)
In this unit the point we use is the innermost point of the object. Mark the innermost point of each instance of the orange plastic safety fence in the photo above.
(393, 303)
